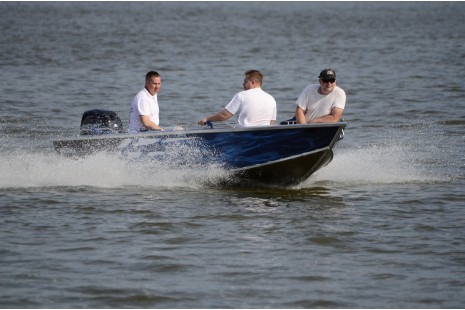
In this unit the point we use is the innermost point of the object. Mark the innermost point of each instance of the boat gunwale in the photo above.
(157, 134)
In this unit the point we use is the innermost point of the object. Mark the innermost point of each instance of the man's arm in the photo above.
(300, 115)
(334, 117)
(218, 117)
(145, 119)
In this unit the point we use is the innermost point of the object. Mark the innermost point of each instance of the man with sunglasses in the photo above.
(321, 103)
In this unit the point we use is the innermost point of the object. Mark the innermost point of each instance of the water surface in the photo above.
(381, 226)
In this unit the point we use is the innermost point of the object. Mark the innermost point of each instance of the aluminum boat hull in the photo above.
(275, 155)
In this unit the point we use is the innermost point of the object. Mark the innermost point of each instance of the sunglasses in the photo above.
(329, 81)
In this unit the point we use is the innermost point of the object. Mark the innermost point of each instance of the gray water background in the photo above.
(381, 226)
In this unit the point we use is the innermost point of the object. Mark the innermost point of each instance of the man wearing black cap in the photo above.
(323, 102)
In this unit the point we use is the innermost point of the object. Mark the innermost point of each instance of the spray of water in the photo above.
(377, 164)
(99, 170)
(396, 157)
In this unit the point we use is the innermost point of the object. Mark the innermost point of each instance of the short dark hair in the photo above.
(255, 75)
(150, 74)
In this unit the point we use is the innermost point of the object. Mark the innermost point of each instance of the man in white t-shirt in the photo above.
(144, 113)
(253, 106)
(321, 103)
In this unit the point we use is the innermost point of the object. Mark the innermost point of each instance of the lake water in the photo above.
(382, 226)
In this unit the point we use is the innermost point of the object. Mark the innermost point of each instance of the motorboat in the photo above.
(284, 154)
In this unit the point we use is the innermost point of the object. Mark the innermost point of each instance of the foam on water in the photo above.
(378, 164)
(396, 156)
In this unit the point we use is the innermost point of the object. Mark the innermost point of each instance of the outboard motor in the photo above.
(99, 122)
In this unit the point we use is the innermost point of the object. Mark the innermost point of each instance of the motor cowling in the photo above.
(99, 122)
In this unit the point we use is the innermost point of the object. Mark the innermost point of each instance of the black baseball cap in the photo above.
(327, 74)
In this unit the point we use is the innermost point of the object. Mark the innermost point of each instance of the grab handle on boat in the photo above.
(291, 121)
(209, 124)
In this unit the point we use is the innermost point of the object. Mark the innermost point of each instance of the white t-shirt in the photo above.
(143, 104)
(317, 105)
(254, 107)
